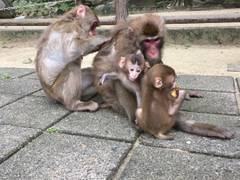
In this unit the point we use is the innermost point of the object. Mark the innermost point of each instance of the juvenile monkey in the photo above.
(58, 60)
(129, 71)
(161, 103)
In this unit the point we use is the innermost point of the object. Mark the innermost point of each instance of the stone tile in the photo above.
(58, 156)
(6, 98)
(39, 93)
(32, 76)
(9, 73)
(213, 102)
(103, 123)
(19, 86)
(193, 143)
(206, 83)
(238, 83)
(156, 163)
(12, 138)
(33, 112)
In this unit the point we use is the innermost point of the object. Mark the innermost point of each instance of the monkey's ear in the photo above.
(122, 62)
(81, 11)
(158, 82)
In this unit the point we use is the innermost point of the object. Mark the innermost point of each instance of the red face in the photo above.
(152, 48)
(93, 31)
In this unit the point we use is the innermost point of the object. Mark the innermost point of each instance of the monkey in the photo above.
(129, 71)
(122, 43)
(160, 106)
(59, 55)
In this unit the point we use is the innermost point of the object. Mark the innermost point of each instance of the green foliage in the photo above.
(52, 130)
(33, 8)
(5, 76)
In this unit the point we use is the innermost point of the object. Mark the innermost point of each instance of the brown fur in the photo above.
(59, 56)
(159, 111)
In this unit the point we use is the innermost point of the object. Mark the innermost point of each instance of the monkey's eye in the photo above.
(138, 70)
(131, 69)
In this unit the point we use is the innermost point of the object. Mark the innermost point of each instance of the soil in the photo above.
(201, 60)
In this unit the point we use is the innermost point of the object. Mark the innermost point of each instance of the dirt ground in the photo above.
(203, 60)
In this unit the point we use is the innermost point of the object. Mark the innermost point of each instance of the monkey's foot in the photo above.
(192, 94)
(83, 106)
(164, 137)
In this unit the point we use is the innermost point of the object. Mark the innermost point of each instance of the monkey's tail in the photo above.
(204, 129)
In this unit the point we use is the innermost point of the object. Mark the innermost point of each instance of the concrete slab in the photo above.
(206, 83)
(32, 76)
(156, 163)
(193, 143)
(58, 156)
(103, 123)
(39, 93)
(9, 73)
(19, 86)
(213, 102)
(12, 138)
(32, 112)
(6, 98)
(238, 83)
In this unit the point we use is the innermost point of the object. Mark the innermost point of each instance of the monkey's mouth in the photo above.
(92, 31)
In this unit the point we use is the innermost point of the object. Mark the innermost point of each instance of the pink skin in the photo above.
(134, 72)
(152, 45)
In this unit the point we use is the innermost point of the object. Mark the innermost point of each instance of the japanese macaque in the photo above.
(58, 60)
(129, 71)
(160, 106)
(123, 42)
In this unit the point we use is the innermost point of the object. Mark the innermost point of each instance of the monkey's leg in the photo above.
(127, 101)
(138, 115)
(68, 88)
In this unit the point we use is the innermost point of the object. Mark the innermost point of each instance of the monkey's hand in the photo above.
(94, 44)
(102, 79)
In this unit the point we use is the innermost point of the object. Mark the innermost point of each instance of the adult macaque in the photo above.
(58, 60)
(129, 71)
(161, 103)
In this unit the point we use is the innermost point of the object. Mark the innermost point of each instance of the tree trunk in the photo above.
(121, 10)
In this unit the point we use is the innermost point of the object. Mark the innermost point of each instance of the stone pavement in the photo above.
(41, 140)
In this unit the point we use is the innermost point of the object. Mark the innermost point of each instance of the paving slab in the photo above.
(206, 83)
(39, 93)
(58, 156)
(19, 86)
(7, 98)
(156, 163)
(10, 73)
(193, 143)
(32, 76)
(12, 138)
(238, 83)
(35, 112)
(103, 123)
(213, 102)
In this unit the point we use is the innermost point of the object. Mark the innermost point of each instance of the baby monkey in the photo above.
(129, 71)
(160, 106)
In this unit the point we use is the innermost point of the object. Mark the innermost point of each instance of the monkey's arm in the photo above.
(111, 75)
(175, 106)
(92, 44)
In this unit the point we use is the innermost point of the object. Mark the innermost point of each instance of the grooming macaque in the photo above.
(160, 106)
(129, 71)
(58, 60)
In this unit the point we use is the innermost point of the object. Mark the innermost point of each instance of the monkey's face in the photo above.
(87, 20)
(151, 48)
(134, 71)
